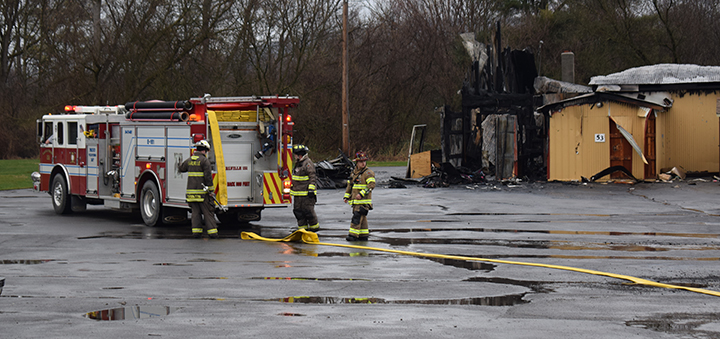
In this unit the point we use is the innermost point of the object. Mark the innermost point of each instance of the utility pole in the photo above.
(345, 87)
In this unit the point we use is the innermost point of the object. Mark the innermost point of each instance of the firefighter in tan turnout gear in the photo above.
(359, 195)
(303, 189)
(199, 188)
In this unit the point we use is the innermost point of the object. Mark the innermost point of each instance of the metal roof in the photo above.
(660, 74)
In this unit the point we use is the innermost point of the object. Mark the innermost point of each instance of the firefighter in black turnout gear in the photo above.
(198, 197)
(303, 189)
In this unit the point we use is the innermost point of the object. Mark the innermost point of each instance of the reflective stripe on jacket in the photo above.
(199, 172)
(303, 177)
(361, 182)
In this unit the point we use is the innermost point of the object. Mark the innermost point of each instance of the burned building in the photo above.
(497, 130)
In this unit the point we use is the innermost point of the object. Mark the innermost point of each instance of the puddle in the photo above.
(466, 264)
(558, 256)
(27, 262)
(497, 230)
(352, 254)
(309, 279)
(132, 312)
(566, 214)
(203, 260)
(684, 324)
(535, 286)
(545, 244)
(506, 300)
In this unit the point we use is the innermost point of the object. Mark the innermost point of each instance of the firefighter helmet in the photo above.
(361, 156)
(202, 145)
(300, 149)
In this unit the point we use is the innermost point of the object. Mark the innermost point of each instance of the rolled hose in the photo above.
(158, 105)
(312, 238)
(172, 116)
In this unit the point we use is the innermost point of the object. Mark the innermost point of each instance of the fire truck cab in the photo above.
(127, 156)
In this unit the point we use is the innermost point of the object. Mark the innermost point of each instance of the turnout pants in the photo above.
(200, 209)
(304, 210)
(358, 223)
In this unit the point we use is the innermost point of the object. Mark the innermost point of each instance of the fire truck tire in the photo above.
(174, 215)
(60, 195)
(150, 204)
(249, 215)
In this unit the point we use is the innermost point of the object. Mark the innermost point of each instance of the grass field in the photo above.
(15, 174)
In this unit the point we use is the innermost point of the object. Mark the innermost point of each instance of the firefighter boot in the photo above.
(213, 233)
(197, 233)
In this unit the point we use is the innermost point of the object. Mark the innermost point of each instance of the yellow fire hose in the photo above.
(312, 238)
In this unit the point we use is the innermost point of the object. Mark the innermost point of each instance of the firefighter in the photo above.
(303, 189)
(359, 195)
(199, 190)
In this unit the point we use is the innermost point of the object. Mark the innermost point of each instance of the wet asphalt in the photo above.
(61, 273)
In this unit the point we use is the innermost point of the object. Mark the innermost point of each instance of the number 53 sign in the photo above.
(600, 137)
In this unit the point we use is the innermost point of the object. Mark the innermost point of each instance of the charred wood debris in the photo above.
(497, 139)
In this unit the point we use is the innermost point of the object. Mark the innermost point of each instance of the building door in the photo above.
(620, 152)
(651, 167)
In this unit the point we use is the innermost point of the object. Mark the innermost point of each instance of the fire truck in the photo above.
(127, 156)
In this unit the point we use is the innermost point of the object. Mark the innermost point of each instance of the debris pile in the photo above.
(334, 173)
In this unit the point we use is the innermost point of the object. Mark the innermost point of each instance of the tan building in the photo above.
(646, 119)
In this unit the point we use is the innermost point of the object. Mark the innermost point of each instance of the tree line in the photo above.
(406, 56)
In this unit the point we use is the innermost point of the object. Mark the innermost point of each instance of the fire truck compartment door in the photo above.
(239, 169)
(179, 144)
(93, 152)
(127, 164)
(150, 142)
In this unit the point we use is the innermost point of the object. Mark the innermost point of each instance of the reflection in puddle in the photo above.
(286, 314)
(466, 264)
(684, 324)
(535, 286)
(506, 300)
(546, 244)
(592, 257)
(351, 254)
(132, 312)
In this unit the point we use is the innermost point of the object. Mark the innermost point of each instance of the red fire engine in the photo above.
(127, 156)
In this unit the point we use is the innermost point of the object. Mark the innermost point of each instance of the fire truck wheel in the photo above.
(150, 207)
(60, 195)
(248, 216)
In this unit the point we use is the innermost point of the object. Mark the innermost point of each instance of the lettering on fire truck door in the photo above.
(239, 169)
